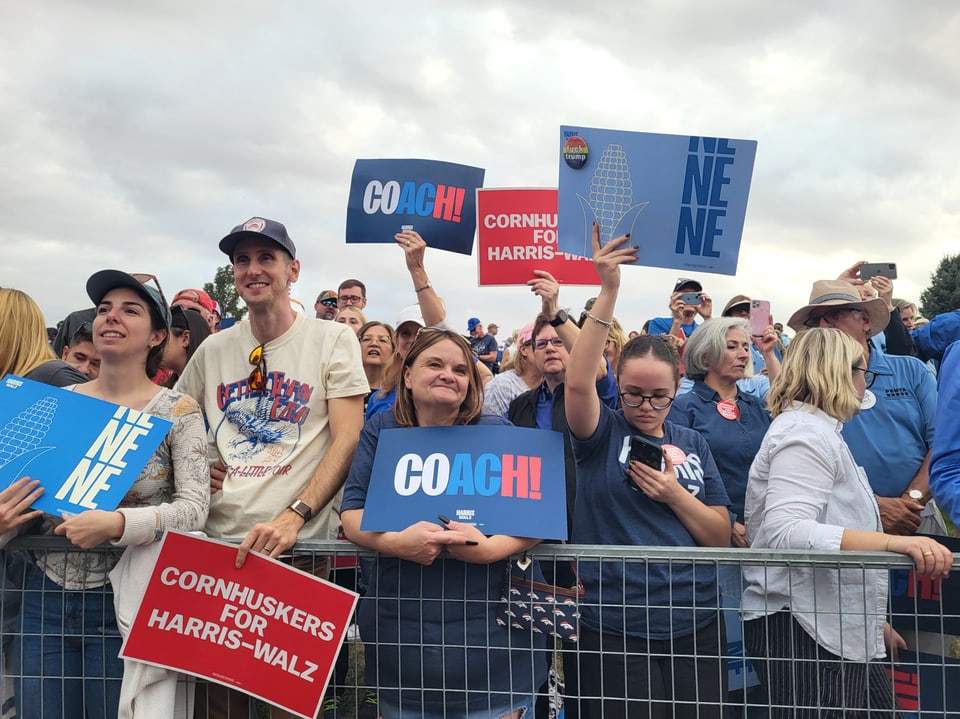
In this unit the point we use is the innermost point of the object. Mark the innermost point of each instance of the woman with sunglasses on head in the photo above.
(432, 645)
(820, 630)
(517, 375)
(79, 674)
(651, 640)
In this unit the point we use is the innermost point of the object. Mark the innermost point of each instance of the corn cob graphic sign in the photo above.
(683, 198)
(86, 452)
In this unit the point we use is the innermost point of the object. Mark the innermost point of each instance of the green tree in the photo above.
(224, 291)
(943, 294)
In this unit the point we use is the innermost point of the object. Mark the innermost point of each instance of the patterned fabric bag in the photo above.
(529, 605)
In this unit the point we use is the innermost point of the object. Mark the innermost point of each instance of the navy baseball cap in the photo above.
(258, 228)
(100, 283)
(684, 282)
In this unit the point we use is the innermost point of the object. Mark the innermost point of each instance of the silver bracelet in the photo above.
(605, 323)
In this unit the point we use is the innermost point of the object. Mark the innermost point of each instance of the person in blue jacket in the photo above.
(945, 461)
(650, 636)
(433, 646)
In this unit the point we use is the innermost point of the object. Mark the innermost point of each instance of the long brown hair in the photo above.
(406, 412)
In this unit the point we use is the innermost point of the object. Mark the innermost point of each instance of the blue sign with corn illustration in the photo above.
(682, 198)
(85, 452)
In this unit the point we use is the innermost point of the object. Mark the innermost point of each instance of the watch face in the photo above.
(915, 494)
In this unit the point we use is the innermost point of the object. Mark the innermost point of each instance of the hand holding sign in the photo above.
(547, 289)
(15, 500)
(607, 259)
(92, 528)
(413, 246)
(271, 538)
(424, 541)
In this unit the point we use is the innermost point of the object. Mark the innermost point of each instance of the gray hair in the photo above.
(708, 343)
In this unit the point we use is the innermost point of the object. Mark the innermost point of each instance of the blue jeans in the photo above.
(65, 656)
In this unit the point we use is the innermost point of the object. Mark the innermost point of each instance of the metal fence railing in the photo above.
(658, 633)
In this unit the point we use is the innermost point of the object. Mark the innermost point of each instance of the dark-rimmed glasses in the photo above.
(868, 376)
(258, 377)
(657, 401)
(542, 344)
(831, 316)
(144, 278)
(350, 299)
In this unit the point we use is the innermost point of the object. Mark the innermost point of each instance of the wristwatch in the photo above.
(916, 495)
(303, 509)
(561, 318)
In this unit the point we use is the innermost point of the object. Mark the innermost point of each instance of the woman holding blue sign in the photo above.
(433, 647)
(66, 654)
(651, 639)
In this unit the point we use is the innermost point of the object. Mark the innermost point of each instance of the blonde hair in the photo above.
(350, 308)
(23, 334)
(616, 335)
(817, 369)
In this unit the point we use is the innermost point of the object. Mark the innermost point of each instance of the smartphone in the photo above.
(759, 316)
(690, 298)
(882, 269)
(646, 452)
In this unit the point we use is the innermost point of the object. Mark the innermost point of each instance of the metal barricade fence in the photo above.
(431, 655)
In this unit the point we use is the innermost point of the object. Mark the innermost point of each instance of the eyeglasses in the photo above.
(145, 278)
(350, 299)
(868, 376)
(831, 316)
(258, 377)
(657, 401)
(329, 302)
(541, 344)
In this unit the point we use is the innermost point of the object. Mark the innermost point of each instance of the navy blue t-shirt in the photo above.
(431, 629)
(655, 600)
(733, 442)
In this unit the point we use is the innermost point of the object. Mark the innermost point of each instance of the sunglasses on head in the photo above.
(258, 377)
(143, 279)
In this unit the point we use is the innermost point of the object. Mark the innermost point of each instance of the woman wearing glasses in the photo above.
(433, 647)
(78, 673)
(820, 630)
(732, 420)
(651, 643)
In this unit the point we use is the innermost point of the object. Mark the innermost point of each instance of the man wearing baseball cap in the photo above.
(484, 346)
(682, 321)
(326, 305)
(283, 422)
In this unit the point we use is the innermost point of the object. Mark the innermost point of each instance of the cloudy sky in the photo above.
(135, 135)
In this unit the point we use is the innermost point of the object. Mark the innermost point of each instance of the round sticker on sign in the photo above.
(676, 455)
(575, 152)
(868, 401)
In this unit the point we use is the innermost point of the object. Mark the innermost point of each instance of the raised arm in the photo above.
(414, 248)
(582, 402)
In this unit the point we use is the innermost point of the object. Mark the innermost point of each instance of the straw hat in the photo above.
(837, 293)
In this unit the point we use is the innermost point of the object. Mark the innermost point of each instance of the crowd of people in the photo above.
(820, 441)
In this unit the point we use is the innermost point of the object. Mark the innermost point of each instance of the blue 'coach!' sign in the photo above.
(683, 198)
(85, 452)
(504, 480)
(437, 199)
